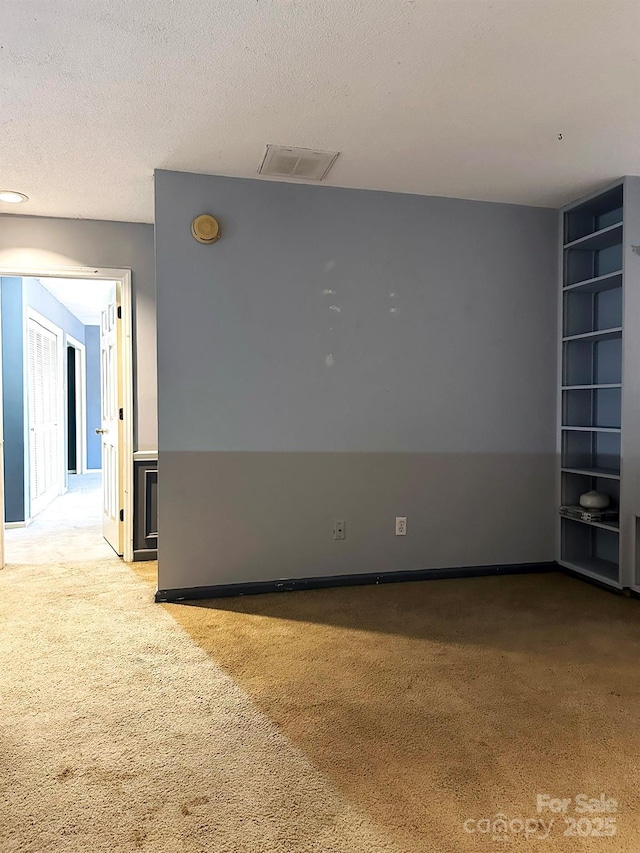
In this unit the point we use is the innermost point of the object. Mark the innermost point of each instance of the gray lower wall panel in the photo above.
(239, 517)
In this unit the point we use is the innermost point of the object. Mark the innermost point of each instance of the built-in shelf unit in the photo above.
(599, 422)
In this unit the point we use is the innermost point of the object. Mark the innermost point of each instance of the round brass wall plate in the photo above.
(205, 228)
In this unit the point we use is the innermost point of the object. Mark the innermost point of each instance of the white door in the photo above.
(44, 395)
(111, 397)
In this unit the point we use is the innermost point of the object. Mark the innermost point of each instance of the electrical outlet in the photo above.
(401, 525)
(339, 530)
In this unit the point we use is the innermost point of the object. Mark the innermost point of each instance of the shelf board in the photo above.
(599, 335)
(593, 567)
(602, 239)
(599, 202)
(590, 387)
(596, 285)
(590, 428)
(606, 473)
(603, 525)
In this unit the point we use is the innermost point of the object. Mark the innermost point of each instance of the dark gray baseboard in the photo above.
(145, 555)
(257, 587)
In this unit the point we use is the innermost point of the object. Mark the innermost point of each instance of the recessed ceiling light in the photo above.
(12, 197)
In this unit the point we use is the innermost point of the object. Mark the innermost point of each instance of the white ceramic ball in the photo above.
(594, 500)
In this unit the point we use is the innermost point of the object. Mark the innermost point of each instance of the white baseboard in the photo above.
(14, 525)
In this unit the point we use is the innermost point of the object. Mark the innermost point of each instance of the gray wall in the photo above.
(94, 412)
(38, 297)
(630, 482)
(19, 295)
(35, 296)
(32, 241)
(344, 354)
(13, 398)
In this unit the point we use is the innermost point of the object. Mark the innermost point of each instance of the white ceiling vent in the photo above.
(303, 163)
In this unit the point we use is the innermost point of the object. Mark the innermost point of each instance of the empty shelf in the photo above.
(596, 285)
(593, 567)
(590, 428)
(607, 473)
(598, 335)
(590, 387)
(603, 239)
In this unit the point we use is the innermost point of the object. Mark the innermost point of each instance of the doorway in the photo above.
(75, 439)
(79, 387)
(72, 421)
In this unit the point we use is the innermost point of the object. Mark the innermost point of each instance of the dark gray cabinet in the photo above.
(145, 528)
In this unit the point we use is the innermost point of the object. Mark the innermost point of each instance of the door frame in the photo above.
(1, 448)
(81, 402)
(35, 317)
(125, 369)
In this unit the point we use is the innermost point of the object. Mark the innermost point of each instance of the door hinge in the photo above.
(119, 312)
(121, 515)
(121, 414)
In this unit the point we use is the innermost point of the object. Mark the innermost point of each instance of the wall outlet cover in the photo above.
(401, 525)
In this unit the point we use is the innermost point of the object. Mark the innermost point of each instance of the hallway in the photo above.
(70, 528)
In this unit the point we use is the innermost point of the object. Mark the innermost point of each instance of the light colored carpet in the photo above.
(427, 704)
(118, 733)
(68, 529)
(341, 721)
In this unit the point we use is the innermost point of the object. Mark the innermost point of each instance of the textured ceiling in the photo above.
(441, 97)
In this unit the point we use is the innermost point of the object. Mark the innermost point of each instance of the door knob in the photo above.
(101, 431)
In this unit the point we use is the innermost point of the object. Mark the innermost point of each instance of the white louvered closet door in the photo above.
(44, 410)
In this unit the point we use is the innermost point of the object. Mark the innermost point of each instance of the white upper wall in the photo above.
(462, 98)
(32, 242)
(84, 298)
